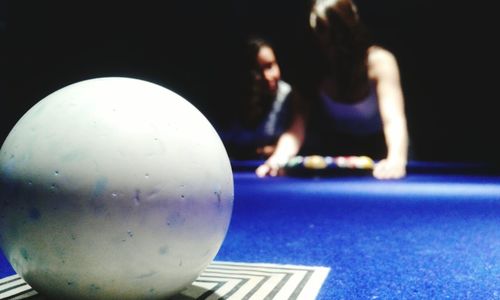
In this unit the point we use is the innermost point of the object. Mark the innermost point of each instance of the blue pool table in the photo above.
(432, 235)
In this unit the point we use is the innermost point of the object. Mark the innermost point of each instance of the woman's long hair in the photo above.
(345, 42)
(256, 98)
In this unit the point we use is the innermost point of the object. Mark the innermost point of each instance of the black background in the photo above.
(446, 54)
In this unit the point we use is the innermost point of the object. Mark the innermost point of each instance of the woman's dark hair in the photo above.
(337, 25)
(253, 46)
(256, 98)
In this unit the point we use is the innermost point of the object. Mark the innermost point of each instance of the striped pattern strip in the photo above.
(14, 288)
(223, 280)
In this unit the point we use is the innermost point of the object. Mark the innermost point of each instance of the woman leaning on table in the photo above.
(358, 107)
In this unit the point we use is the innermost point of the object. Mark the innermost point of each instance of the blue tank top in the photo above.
(362, 117)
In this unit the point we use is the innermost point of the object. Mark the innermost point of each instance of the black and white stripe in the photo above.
(224, 280)
(14, 288)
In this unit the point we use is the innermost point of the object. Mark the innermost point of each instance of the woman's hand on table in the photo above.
(389, 169)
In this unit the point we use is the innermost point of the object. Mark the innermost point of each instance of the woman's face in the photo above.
(269, 68)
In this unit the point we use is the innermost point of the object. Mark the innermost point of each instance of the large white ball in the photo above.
(113, 188)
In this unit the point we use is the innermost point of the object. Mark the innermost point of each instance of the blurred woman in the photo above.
(358, 108)
(264, 110)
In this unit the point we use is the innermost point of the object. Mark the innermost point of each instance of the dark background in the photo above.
(446, 55)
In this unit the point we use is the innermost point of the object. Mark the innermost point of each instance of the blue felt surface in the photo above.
(424, 237)
(428, 236)
(5, 268)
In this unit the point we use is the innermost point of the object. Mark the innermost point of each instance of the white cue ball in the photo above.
(113, 188)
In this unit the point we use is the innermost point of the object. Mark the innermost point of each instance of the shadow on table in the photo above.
(190, 293)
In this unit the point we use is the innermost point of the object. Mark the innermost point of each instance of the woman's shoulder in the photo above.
(284, 87)
(380, 56)
(380, 61)
(378, 53)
